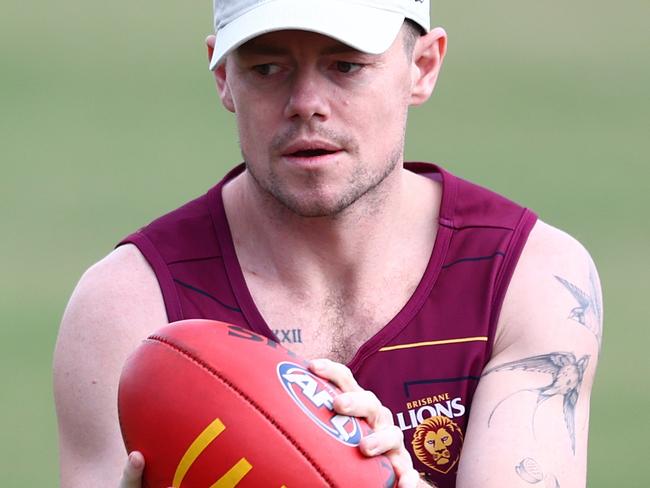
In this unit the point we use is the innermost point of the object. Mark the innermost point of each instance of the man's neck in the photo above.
(276, 244)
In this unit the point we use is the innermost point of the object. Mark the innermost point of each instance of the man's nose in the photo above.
(308, 97)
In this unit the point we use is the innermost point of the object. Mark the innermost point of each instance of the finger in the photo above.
(132, 474)
(403, 465)
(364, 404)
(386, 441)
(337, 373)
(409, 479)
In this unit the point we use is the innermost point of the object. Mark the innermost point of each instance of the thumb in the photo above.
(132, 474)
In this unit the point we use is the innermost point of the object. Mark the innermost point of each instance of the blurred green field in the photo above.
(108, 118)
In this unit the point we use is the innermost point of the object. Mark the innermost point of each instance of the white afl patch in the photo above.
(315, 398)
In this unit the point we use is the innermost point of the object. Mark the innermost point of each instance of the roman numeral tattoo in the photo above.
(566, 373)
(289, 336)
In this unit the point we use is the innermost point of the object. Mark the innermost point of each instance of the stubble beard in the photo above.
(363, 187)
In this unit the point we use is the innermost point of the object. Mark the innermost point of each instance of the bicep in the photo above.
(85, 379)
(530, 412)
(90, 450)
(102, 324)
(530, 425)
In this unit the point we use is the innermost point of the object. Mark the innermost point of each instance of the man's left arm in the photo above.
(530, 413)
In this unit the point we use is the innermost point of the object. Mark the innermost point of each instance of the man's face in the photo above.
(321, 125)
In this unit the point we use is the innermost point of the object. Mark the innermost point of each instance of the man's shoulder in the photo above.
(120, 287)
(116, 303)
(555, 281)
(124, 264)
(556, 247)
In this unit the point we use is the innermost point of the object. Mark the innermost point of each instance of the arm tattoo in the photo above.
(567, 374)
(531, 472)
(589, 310)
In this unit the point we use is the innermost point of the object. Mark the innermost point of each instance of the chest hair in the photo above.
(333, 326)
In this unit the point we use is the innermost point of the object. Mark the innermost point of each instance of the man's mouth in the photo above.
(310, 149)
(310, 153)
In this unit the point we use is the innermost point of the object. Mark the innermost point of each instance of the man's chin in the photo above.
(314, 202)
(315, 208)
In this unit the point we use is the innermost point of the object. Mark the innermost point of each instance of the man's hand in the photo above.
(132, 474)
(387, 438)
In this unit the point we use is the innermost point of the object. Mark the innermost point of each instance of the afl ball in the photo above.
(213, 405)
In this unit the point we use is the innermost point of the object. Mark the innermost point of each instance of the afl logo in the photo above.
(315, 398)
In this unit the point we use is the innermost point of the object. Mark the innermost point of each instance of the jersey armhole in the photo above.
(515, 247)
(161, 270)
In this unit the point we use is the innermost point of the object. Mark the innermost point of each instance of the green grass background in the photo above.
(108, 118)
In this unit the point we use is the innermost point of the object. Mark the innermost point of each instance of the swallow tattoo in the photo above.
(567, 374)
(588, 313)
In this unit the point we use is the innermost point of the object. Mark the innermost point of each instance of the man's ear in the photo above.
(220, 77)
(428, 54)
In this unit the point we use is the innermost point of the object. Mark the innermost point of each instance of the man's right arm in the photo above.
(116, 304)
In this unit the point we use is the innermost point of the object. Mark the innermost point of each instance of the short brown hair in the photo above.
(412, 32)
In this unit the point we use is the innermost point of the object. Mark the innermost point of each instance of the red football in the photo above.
(212, 405)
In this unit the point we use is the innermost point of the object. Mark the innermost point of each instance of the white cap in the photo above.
(367, 25)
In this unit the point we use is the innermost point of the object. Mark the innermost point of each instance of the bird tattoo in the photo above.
(567, 373)
(588, 312)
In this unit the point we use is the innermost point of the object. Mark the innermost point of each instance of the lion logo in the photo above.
(437, 442)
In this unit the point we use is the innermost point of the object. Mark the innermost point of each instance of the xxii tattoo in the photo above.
(289, 336)
(566, 373)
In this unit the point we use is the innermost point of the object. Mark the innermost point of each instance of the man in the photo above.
(441, 297)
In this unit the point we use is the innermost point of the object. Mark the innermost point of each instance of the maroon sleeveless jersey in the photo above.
(424, 364)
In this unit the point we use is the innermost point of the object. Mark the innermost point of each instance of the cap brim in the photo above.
(361, 27)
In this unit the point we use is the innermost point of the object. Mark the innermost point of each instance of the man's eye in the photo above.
(266, 69)
(347, 67)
